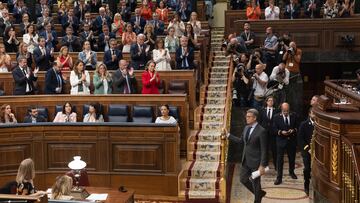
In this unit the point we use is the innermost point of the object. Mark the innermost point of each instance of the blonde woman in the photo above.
(5, 60)
(118, 25)
(65, 59)
(150, 37)
(171, 41)
(128, 37)
(79, 79)
(102, 80)
(61, 189)
(25, 179)
(196, 24)
(23, 51)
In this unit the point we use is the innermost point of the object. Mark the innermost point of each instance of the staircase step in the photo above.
(205, 146)
(202, 194)
(203, 169)
(204, 156)
(217, 48)
(216, 109)
(208, 184)
(214, 80)
(216, 93)
(212, 87)
(221, 63)
(219, 53)
(214, 117)
(215, 100)
(211, 125)
(218, 74)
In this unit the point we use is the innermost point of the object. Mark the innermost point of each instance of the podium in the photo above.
(336, 146)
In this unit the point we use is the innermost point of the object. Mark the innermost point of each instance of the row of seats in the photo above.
(121, 113)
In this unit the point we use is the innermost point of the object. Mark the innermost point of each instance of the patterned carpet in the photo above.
(290, 191)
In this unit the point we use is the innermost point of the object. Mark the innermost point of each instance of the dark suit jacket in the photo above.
(83, 37)
(75, 24)
(51, 82)
(316, 12)
(142, 24)
(138, 62)
(159, 27)
(125, 14)
(74, 43)
(102, 42)
(80, 13)
(305, 134)
(112, 65)
(21, 80)
(39, 119)
(180, 58)
(295, 14)
(279, 125)
(265, 121)
(255, 149)
(40, 23)
(3, 26)
(119, 82)
(53, 42)
(98, 23)
(42, 61)
(18, 14)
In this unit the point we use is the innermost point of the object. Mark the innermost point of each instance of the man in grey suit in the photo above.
(254, 156)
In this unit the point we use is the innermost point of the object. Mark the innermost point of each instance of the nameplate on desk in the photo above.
(97, 197)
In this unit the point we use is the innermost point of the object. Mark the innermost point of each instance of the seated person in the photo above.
(79, 79)
(33, 116)
(61, 189)
(150, 79)
(165, 118)
(94, 114)
(139, 53)
(124, 81)
(102, 80)
(88, 57)
(6, 116)
(66, 115)
(112, 56)
(184, 55)
(347, 9)
(25, 179)
(312, 8)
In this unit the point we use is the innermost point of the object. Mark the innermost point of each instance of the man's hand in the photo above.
(261, 170)
(36, 70)
(131, 71)
(283, 132)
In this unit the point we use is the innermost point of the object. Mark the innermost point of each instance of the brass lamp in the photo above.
(77, 165)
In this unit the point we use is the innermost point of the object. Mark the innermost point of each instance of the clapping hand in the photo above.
(83, 77)
(36, 70)
(131, 71)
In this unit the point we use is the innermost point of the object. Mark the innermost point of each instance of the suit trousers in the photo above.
(290, 148)
(307, 167)
(253, 186)
(272, 149)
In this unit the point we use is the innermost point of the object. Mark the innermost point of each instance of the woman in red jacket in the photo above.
(150, 79)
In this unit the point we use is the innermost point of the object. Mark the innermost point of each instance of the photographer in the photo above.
(235, 47)
(255, 59)
(279, 79)
(294, 93)
(240, 79)
(259, 82)
(284, 42)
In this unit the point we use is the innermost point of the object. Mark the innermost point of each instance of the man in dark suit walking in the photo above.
(24, 78)
(266, 121)
(33, 116)
(285, 127)
(54, 82)
(304, 139)
(254, 157)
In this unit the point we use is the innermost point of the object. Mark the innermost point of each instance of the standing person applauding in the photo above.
(102, 80)
(150, 79)
(79, 79)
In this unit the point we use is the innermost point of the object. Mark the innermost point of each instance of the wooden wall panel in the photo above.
(137, 157)
(12, 155)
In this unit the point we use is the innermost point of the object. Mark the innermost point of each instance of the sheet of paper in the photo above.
(97, 197)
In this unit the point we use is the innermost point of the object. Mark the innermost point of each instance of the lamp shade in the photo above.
(77, 163)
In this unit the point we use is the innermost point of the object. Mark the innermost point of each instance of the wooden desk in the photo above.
(143, 157)
(114, 195)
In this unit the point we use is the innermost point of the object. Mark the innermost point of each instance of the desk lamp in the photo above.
(77, 165)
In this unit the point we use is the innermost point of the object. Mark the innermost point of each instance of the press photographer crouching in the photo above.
(236, 46)
(279, 80)
(240, 79)
(255, 58)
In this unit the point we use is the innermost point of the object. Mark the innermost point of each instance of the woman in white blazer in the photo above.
(161, 56)
(79, 79)
(31, 39)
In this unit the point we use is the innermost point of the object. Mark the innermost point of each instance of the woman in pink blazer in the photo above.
(66, 115)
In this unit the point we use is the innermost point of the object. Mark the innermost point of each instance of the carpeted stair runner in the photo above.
(203, 167)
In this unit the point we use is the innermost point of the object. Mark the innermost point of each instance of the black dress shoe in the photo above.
(277, 181)
(293, 176)
(306, 190)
